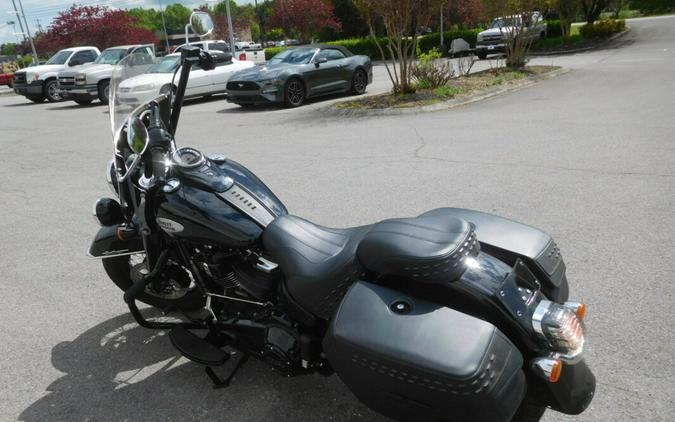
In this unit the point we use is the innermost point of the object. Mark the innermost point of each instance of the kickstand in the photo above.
(239, 359)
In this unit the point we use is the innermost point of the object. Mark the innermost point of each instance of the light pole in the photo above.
(16, 12)
(30, 38)
(229, 26)
(166, 35)
(442, 35)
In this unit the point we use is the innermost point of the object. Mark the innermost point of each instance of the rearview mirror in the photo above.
(201, 23)
(137, 135)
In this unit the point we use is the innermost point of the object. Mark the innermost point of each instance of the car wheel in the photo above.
(52, 91)
(481, 55)
(294, 94)
(104, 92)
(359, 82)
(83, 101)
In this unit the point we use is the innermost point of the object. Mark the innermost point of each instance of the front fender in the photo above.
(107, 244)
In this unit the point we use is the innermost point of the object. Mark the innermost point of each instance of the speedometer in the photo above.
(188, 158)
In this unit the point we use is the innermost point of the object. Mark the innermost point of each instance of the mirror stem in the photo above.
(180, 93)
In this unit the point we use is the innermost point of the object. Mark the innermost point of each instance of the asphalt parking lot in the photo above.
(588, 156)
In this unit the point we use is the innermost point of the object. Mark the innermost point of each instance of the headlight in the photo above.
(273, 81)
(144, 87)
(560, 327)
(80, 79)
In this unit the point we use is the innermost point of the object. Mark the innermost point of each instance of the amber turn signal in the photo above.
(549, 369)
(578, 308)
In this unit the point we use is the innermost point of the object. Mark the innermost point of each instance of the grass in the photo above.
(464, 86)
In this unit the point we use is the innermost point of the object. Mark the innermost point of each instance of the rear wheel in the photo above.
(295, 93)
(359, 82)
(172, 290)
(52, 91)
(104, 91)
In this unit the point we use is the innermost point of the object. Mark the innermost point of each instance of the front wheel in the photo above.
(52, 91)
(172, 289)
(359, 82)
(294, 94)
(104, 92)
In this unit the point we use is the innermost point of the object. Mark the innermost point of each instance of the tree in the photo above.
(403, 21)
(8, 49)
(567, 12)
(464, 13)
(592, 9)
(518, 17)
(92, 25)
(303, 17)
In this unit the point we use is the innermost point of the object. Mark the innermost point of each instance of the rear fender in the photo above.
(107, 244)
(509, 241)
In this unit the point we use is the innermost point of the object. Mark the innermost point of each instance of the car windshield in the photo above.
(112, 56)
(167, 65)
(60, 57)
(506, 22)
(294, 56)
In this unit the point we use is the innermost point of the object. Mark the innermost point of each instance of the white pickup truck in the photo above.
(83, 84)
(493, 39)
(39, 82)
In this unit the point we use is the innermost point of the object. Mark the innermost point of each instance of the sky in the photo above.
(46, 10)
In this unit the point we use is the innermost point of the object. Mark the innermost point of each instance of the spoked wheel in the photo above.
(359, 82)
(172, 289)
(295, 93)
(52, 92)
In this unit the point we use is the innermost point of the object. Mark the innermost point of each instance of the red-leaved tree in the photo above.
(93, 25)
(465, 13)
(303, 17)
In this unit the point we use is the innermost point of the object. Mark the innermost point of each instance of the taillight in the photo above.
(560, 326)
(242, 56)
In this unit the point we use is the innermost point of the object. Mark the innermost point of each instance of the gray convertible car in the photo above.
(299, 73)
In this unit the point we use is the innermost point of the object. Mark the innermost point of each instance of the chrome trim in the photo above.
(209, 295)
(265, 265)
(543, 367)
(245, 202)
(573, 306)
(538, 317)
(90, 256)
(110, 168)
(171, 186)
(175, 158)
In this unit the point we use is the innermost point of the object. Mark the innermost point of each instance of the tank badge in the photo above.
(170, 226)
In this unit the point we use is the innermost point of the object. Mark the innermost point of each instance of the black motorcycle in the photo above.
(453, 315)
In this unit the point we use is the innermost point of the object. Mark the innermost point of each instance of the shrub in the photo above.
(652, 6)
(447, 91)
(602, 28)
(365, 46)
(272, 51)
(430, 73)
(553, 28)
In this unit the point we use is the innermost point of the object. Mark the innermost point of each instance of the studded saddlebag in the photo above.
(414, 360)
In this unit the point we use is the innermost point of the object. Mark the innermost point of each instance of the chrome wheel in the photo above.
(295, 93)
(359, 82)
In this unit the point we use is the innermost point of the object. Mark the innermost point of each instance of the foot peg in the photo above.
(196, 348)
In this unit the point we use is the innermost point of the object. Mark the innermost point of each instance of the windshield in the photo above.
(294, 56)
(506, 22)
(60, 57)
(167, 65)
(111, 56)
(130, 88)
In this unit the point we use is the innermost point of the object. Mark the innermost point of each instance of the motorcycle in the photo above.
(452, 315)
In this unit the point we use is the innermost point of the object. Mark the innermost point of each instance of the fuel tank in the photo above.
(215, 201)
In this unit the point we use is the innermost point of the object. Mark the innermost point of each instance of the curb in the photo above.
(445, 105)
(580, 50)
